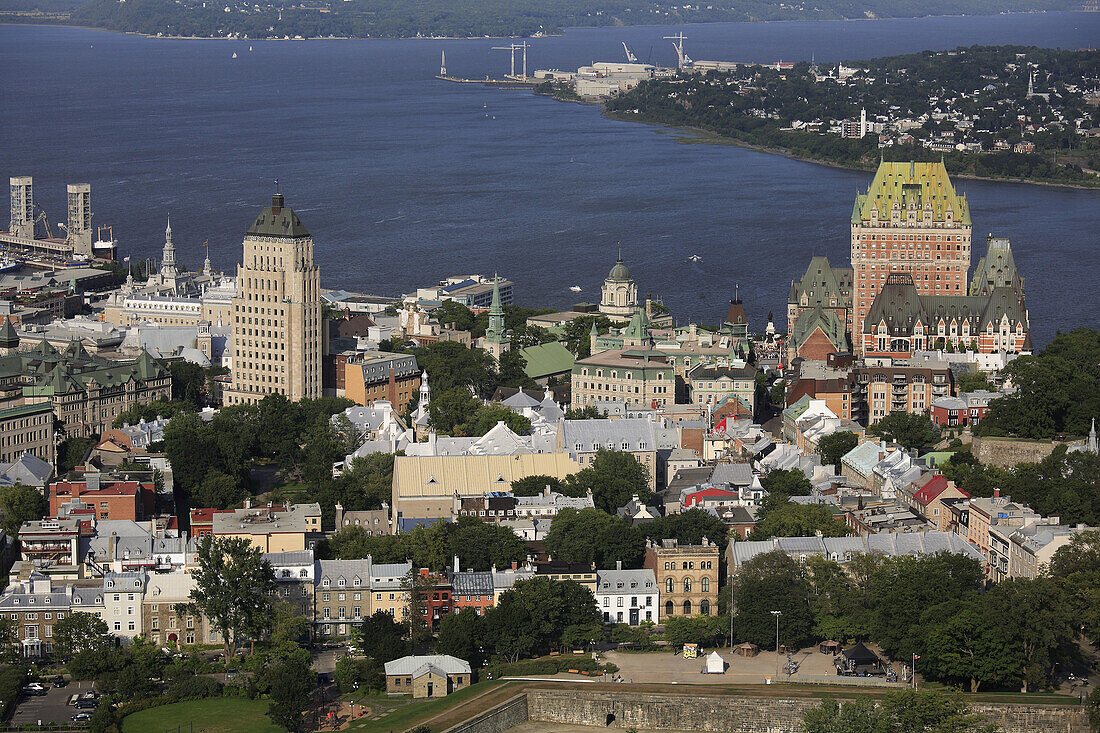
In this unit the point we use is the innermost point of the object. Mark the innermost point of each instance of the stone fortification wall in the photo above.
(1007, 452)
(496, 720)
(744, 713)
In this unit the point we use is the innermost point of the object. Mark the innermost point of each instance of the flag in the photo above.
(916, 657)
(126, 258)
(721, 426)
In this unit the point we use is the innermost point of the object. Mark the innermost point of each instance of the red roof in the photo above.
(935, 486)
(113, 488)
(206, 515)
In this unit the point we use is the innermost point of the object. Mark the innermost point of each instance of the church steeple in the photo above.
(168, 257)
(496, 341)
(207, 268)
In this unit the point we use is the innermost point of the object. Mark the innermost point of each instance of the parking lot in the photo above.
(53, 707)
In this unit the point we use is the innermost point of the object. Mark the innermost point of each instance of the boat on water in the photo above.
(695, 258)
(234, 54)
(576, 288)
(105, 247)
(250, 48)
(8, 264)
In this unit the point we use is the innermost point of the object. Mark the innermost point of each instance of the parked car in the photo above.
(85, 704)
(59, 681)
(81, 717)
(34, 689)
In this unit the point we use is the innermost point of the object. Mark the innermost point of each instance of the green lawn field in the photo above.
(220, 715)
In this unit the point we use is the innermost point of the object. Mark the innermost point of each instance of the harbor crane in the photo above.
(512, 48)
(630, 57)
(45, 222)
(681, 58)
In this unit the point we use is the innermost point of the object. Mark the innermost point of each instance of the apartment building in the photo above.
(686, 575)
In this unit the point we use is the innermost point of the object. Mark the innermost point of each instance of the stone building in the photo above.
(342, 596)
(27, 429)
(86, 392)
(162, 622)
(819, 310)
(627, 596)
(619, 295)
(437, 675)
(899, 387)
(638, 377)
(369, 376)
(687, 576)
(277, 338)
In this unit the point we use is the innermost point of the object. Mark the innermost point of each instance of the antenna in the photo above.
(276, 185)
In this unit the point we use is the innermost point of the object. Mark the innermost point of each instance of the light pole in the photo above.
(731, 612)
(777, 614)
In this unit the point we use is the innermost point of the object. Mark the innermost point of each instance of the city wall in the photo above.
(729, 713)
(1007, 452)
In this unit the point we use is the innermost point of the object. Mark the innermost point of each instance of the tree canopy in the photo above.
(539, 615)
(911, 431)
(613, 478)
(832, 448)
(590, 535)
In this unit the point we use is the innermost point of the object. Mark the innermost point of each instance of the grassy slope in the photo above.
(223, 715)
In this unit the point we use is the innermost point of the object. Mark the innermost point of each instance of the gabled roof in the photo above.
(546, 359)
(412, 665)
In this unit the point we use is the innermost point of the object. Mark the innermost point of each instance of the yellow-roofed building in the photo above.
(424, 487)
(911, 220)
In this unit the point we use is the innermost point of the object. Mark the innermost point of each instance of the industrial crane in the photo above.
(630, 57)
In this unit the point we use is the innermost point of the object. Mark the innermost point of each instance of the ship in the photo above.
(576, 288)
(8, 264)
(105, 246)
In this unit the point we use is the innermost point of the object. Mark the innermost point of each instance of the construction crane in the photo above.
(512, 48)
(630, 57)
(45, 222)
(681, 58)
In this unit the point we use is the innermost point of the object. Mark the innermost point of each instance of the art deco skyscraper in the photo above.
(277, 311)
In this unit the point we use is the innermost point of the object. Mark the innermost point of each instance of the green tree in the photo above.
(292, 680)
(20, 504)
(772, 582)
(416, 589)
(462, 635)
(911, 431)
(449, 411)
(689, 528)
(534, 485)
(788, 482)
(972, 381)
(706, 631)
(11, 651)
(798, 520)
(353, 674)
(576, 334)
(81, 632)
(234, 586)
(588, 412)
(188, 382)
(538, 615)
(218, 490)
(592, 536)
(1057, 390)
(1076, 568)
(71, 452)
(487, 416)
(613, 478)
(832, 448)
(451, 365)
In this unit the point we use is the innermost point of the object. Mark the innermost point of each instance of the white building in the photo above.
(627, 596)
(122, 601)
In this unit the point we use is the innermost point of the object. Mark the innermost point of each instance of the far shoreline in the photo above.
(563, 32)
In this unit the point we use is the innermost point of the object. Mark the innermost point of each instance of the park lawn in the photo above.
(217, 715)
(405, 712)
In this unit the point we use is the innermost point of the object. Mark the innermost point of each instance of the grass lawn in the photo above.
(221, 715)
(399, 713)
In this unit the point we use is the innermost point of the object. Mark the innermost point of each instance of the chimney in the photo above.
(339, 516)
(248, 503)
(91, 479)
(515, 565)
(546, 491)
(618, 564)
(111, 542)
(996, 493)
(456, 564)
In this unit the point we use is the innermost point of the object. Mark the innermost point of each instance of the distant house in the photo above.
(436, 675)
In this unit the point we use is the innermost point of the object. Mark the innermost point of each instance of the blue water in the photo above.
(403, 179)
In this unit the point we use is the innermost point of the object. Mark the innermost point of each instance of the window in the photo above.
(668, 585)
(704, 585)
(687, 585)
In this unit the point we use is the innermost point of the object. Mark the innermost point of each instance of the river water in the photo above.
(403, 179)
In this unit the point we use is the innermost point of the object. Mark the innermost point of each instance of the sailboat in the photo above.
(234, 54)
(250, 49)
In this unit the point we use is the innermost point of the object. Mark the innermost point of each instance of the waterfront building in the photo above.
(277, 339)
(627, 596)
(687, 576)
(911, 221)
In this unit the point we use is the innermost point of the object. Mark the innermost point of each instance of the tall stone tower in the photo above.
(277, 311)
(22, 206)
(80, 217)
(169, 272)
(496, 340)
(911, 221)
(619, 295)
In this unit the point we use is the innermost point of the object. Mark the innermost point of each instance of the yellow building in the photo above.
(424, 487)
(687, 577)
(277, 337)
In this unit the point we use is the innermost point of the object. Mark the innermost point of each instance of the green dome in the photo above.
(619, 273)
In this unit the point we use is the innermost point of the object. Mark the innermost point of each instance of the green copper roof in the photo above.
(544, 360)
(638, 327)
(277, 221)
(9, 339)
(911, 184)
(619, 273)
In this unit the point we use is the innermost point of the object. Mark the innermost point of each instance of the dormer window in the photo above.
(342, 582)
(325, 582)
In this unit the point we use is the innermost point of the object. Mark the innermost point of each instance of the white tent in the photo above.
(715, 663)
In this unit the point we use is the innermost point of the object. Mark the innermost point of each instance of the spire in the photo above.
(1092, 446)
(168, 230)
(168, 257)
(207, 269)
(495, 331)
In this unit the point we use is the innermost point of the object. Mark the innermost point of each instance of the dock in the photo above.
(517, 82)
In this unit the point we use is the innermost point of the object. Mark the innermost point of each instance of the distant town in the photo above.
(237, 497)
(992, 112)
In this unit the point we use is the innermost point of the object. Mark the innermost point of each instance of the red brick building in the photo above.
(131, 500)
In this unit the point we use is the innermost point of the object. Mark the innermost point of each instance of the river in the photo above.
(403, 179)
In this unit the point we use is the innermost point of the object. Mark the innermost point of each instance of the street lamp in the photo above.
(777, 614)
